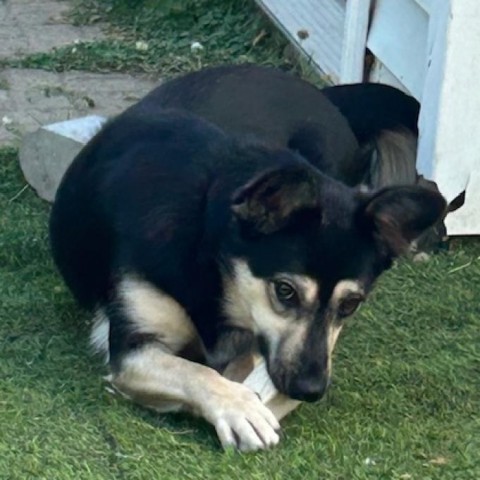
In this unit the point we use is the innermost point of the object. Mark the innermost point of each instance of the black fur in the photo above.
(270, 104)
(373, 107)
(335, 128)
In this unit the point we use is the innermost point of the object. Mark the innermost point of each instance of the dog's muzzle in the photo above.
(308, 385)
(308, 389)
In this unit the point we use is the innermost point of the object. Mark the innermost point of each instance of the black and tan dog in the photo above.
(195, 247)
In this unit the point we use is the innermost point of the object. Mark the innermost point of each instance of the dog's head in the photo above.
(306, 252)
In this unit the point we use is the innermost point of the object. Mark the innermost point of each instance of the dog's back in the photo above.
(272, 105)
(359, 133)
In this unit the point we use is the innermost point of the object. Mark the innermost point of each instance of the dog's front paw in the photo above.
(241, 419)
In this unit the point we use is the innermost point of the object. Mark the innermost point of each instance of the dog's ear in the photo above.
(398, 215)
(266, 203)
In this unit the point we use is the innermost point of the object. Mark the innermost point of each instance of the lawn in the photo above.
(405, 401)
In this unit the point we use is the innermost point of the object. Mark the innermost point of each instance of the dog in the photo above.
(361, 134)
(194, 248)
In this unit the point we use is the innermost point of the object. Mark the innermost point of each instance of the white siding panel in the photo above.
(323, 20)
(398, 38)
(449, 150)
(354, 40)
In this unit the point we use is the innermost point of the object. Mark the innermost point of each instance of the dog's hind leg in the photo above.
(157, 379)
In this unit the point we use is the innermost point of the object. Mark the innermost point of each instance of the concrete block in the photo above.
(46, 153)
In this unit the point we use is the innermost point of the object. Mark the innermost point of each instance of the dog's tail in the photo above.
(393, 158)
(384, 120)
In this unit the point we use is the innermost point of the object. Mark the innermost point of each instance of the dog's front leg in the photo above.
(155, 378)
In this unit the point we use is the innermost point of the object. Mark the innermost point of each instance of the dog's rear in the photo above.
(384, 121)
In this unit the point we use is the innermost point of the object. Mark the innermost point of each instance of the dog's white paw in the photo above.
(242, 421)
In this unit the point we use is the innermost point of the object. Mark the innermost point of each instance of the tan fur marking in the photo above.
(153, 312)
(294, 341)
(309, 288)
(343, 288)
(397, 153)
(247, 303)
(333, 334)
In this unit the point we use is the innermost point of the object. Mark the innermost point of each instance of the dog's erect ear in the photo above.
(400, 214)
(267, 202)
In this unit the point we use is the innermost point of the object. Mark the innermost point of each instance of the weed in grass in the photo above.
(4, 85)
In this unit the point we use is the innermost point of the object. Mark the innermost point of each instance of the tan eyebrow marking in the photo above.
(343, 288)
(309, 287)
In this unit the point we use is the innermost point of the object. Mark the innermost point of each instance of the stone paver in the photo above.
(31, 26)
(32, 98)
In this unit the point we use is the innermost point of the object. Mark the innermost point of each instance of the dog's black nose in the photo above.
(308, 389)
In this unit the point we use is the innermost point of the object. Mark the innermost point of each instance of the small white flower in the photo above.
(76, 41)
(196, 47)
(74, 49)
(370, 461)
(7, 120)
(141, 45)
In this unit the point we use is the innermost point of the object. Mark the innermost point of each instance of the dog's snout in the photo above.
(309, 389)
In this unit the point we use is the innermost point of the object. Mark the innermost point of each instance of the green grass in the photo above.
(405, 394)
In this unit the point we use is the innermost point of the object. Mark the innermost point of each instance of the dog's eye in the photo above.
(285, 292)
(348, 306)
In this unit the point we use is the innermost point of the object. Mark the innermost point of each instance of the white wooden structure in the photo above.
(428, 48)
